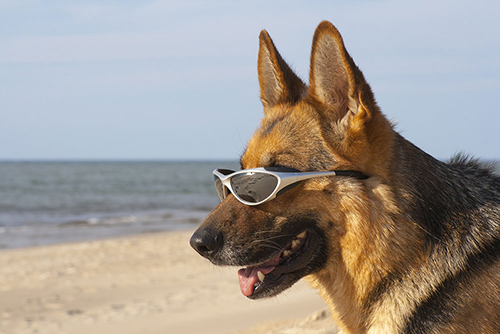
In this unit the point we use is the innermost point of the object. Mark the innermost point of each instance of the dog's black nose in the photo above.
(206, 242)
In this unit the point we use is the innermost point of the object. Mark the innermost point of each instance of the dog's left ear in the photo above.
(336, 82)
(278, 83)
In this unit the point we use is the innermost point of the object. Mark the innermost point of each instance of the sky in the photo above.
(141, 80)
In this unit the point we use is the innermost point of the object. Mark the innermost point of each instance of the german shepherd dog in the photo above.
(394, 240)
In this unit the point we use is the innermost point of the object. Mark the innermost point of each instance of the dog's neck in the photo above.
(403, 218)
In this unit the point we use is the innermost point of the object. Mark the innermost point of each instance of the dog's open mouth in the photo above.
(280, 272)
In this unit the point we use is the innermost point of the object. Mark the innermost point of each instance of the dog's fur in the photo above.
(415, 248)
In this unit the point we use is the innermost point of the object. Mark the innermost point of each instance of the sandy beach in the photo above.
(150, 283)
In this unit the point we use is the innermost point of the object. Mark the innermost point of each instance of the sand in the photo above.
(152, 283)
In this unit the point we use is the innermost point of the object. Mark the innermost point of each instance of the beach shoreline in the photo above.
(148, 283)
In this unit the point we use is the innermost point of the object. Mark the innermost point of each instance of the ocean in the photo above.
(54, 202)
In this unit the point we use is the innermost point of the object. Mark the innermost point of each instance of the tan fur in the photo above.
(334, 124)
(358, 136)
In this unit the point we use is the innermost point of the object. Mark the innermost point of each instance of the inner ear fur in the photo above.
(278, 83)
(335, 81)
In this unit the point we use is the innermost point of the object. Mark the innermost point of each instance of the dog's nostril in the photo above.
(204, 249)
(206, 242)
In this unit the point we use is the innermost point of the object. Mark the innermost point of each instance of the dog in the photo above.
(394, 240)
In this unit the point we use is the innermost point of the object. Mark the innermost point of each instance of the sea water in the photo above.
(52, 202)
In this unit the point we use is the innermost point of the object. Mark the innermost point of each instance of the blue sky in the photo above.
(178, 79)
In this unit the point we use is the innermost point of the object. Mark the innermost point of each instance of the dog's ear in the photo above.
(335, 81)
(278, 83)
(353, 124)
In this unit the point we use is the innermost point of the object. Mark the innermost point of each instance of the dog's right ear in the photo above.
(278, 83)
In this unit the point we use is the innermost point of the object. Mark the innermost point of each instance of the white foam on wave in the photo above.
(112, 221)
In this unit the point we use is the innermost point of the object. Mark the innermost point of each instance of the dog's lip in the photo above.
(255, 279)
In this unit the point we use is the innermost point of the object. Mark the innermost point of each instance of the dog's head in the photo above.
(334, 123)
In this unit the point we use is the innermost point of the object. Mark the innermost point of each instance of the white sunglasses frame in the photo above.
(285, 178)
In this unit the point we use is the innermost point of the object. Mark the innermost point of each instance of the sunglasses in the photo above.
(258, 185)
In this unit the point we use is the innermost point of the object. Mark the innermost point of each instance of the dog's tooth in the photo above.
(287, 252)
(302, 235)
(295, 243)
(260, 275)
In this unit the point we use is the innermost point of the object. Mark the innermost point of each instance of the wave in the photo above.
(98, 227)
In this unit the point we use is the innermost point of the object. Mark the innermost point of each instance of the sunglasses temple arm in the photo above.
(303, 176)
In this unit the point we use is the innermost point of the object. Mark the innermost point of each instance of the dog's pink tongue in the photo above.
(248, 277)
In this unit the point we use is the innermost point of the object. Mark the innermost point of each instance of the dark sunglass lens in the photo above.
(219, 187)
(253, 187)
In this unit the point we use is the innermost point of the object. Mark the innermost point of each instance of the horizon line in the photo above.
(116, 159)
